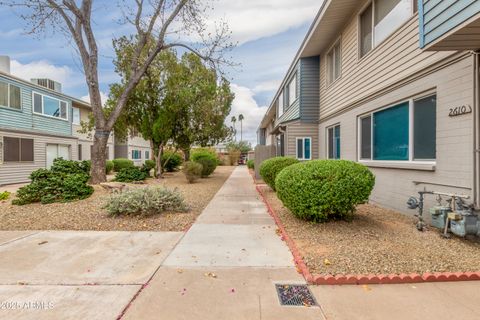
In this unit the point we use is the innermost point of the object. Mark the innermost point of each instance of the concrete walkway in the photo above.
(226, 266)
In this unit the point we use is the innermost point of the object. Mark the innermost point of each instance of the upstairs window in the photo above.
(50, 107)
(380, 19)
(333, 136)
(292, 90)
(76, 116)
(281, 105)
(10, 96)
(304, 148)
(334, 65)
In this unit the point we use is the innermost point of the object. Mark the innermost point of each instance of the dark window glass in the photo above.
(308, 150)
(330, 143)
(11, 149)
(300, 148)
(79, 152)
(4, 94)
(390, 133)
(366, 135)
(26, 148)
(425, 128)
(334, 142)
(37, 103)
(366, 31)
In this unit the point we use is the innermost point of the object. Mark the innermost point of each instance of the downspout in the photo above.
(476, 129)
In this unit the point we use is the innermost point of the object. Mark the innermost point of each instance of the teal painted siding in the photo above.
(438, 17)
(26, 119)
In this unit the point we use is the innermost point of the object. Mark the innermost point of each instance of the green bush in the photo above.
(171, 161)
(270, 168)
(121, 163)
(251, 164)
(150, 164)
(4, 195)
(109, 166)
(131, 174)
(323, 190)
(192, 171)
(146, 201)
(65, 181)
(207, 160)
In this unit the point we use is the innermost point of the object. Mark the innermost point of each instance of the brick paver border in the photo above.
(361, 278)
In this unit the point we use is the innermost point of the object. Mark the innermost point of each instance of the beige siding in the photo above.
(398, 57)
(18, 172)
(299, 129)
(454, 165)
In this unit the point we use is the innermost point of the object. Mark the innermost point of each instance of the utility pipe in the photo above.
(476, 129)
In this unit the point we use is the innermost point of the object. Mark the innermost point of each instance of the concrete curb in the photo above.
(361, 279)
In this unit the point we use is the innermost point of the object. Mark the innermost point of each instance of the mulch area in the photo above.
(88, 214)
(377, 241)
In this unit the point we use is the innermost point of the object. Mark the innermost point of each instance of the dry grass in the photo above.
(88, 214)
(378, 241)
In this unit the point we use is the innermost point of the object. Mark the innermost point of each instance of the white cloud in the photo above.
(103, 96)
(42, 69)
(245, 104)
(267, 86)
(252, 19)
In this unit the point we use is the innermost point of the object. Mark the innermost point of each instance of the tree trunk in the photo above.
(158, 162)
(186, 154)
(99, 156)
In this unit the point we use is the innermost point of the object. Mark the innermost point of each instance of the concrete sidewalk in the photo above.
(226, 266)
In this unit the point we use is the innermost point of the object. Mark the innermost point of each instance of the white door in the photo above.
(55, 151)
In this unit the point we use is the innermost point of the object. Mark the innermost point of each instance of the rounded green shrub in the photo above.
(171, 161)
(109, 166)
(251, 164)
(121, 163)
(207, 160)
(271, 167)
(150, 164)
(131, 174)
(192, 171)
(323, 190)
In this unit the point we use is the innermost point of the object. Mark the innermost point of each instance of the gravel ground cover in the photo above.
(378, 241)
(88, 214)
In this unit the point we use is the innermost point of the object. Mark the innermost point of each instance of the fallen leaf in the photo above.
(327, 262)
(211, 275)
(42, 242)
(179, 270)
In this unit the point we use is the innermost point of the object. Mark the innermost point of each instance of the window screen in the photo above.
(366, 137)
(425, 128)
(366, 32)
(389, 15)
(76, 116)
(390, 133)
(4, 94)
(63, 110)
(37, 103)
(299, 148)
(26, 149)
(11, 147)
(15, 97)
(292, 90)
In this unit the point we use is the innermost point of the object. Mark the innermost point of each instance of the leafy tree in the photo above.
(242, 146)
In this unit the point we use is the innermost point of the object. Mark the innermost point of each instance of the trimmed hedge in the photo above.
(171, 161)
(131, 174)
(271, 167)
(121, 163)
(251, 164)
(323, 190)
(207, 160)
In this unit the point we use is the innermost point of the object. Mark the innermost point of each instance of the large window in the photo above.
(136, 154)
(404, 132)
(49, 106)
(17, 149)
(10, 96)
(380, 19)
(281, 104)
(304, 148)
(334, 63)
(333, 139)
(292, 90)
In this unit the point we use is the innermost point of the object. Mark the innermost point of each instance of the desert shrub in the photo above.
(109, 166)
(192, 171)
(207, 160)
(4, 195)
(121, 163)
(171, 161)
(323, 190)
(203, 151)
(131, 174)
(146, 201)
(234, 156)
(251, 164)
(65, 181)
(270, 168)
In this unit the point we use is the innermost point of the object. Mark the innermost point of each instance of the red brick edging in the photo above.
(361, 279)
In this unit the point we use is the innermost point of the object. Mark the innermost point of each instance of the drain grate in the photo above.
(295, 295)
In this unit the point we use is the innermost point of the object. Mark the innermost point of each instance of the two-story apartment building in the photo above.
(394, 98)
(134, 147)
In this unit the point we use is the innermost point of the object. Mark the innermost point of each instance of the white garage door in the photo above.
(55, 151)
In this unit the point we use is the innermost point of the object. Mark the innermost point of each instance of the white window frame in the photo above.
(338, 43)
(73, 116)
(303, 143)
(359, 27)
(327, 148)
(293, 80)
(411, 162)
(8, 97)
(43, 107)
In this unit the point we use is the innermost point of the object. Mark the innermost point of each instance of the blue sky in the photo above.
(269, 33)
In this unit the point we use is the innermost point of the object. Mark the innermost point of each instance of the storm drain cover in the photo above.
(295, 295)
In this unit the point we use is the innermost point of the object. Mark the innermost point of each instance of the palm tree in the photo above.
(240, 118)
(234, 119)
